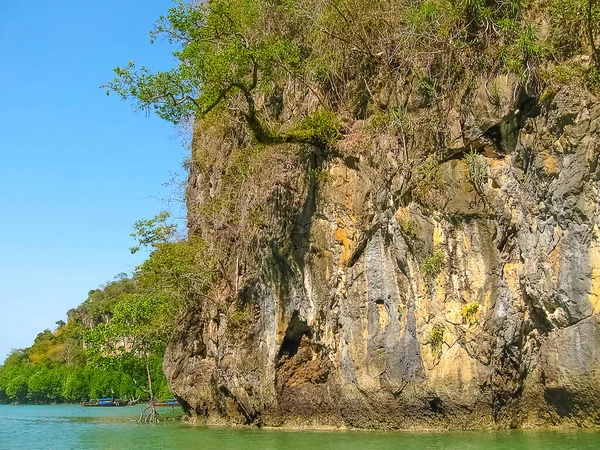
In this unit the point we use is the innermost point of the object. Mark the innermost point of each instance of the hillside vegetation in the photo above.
(102, 349)
(54, 369)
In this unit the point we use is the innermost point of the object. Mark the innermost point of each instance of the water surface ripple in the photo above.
(75, 427)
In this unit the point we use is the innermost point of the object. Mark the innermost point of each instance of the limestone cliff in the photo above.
(460, 293)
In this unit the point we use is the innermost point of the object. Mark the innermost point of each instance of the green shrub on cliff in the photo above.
(522, 55)
(432, 265)
(436, 340)
(178, 269)
(477, 172)
(409, 227)
(572, 22)
(573, 72)
(469, 312)
(322, 127)
(222, 53)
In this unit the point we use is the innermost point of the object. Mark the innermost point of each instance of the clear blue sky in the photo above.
(77, 168)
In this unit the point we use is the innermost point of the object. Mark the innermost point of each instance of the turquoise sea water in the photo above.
(75, 427)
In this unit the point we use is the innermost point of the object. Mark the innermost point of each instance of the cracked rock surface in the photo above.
(480, 310)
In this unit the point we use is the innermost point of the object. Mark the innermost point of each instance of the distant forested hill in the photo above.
(54, 369)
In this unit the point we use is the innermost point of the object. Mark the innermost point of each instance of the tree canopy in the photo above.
(219, 54)
(140, 326)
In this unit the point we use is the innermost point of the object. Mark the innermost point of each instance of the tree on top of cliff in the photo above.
(241, 52)
(219, 55)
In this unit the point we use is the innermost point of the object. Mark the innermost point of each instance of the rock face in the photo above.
(469, 302)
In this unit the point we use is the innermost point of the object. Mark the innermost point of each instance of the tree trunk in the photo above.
(149, 414)
(152, 400)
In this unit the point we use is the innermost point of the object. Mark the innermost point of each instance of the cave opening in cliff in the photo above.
(297, 328)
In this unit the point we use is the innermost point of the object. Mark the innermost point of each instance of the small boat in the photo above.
(168, 402)
(105, 402)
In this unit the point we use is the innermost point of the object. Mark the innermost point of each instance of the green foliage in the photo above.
(175, 269)
(136, 336)
(153, 232)
(436, 340)
(378, 122)
(432, 265)
(179, 269)
(477, 175)
(428, 89)
(103, 383)
(45, 385)
(469, 312)
(236, 56)
(140, 326)
(17, 388)
(240, 318)
(41, 346)
(592, 79)
(409, 227)
(400, 120)
(321, 128)
(576, 73)
(241, 167)
(428, 172)
(53, 369)
(428, 183)
(569, 22)
(40, 373)
(322, 174)
(522, 55)
(13, 377)
(423, 15)
(54, 381)
(396, 120)
(124, 324)
(97, 308)
(142, 318)
(221, 52)
(528, 43)
(76, 387)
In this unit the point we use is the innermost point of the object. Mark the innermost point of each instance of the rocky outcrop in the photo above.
(468, 299)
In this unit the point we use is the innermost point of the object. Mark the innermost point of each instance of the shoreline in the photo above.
(184, 419)
(414, 429)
